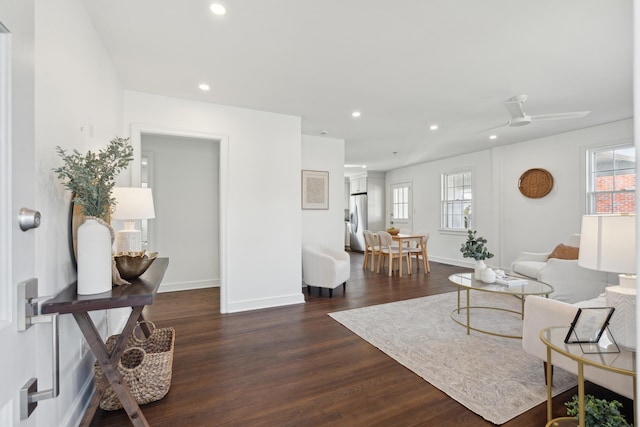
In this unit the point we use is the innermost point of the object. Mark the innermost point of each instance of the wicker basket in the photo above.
(145, 366)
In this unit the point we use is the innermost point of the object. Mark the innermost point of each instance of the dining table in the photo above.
(405, 239)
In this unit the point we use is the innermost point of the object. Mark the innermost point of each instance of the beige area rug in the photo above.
(492, 376)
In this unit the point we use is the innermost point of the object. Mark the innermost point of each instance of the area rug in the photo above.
(492, 376)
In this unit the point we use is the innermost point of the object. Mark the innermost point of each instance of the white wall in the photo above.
(325, 227)
(510, 221)
(185, 194)
(78, 106)
(426, 188)
(538, 225)
(260, 193)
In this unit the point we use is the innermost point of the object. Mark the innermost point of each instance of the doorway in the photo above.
(185, 172)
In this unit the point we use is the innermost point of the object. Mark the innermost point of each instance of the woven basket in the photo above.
(145, 366)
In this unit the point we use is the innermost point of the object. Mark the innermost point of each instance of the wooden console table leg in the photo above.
(109, 365)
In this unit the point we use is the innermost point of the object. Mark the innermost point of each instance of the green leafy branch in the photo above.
(475, 247)
(91, 177)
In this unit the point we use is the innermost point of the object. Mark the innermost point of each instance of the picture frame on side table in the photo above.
(315, 189)
(588, 325)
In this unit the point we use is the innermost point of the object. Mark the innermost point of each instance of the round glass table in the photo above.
(466, 282)
(622, 362)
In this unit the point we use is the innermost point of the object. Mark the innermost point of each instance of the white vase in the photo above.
(480, 266)
(488, 275)
(94, 257)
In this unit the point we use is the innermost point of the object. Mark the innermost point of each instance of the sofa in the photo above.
(541, 313)
(559, 268)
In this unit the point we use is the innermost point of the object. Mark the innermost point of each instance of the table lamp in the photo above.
(608, 243)
(132, 203)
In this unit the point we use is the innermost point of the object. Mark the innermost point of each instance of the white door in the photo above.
(17, 258)
(401, 206)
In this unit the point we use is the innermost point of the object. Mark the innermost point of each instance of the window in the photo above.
(611, 180)
(401, 205)
(457, 202)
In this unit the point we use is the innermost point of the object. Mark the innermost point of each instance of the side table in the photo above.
(622, 363)
(137, 295)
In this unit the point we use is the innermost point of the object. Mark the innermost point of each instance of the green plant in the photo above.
(598, 412)
(475, 247)
(91, 177)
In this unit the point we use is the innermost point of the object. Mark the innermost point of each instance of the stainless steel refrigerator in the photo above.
(358, 220)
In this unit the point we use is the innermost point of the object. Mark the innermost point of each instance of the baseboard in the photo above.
(450, 261)
(256, 304)
(185, 286)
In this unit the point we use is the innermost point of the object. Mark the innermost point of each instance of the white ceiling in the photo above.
(405, 64)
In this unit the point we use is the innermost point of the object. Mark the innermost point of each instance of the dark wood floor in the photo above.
(295, 366)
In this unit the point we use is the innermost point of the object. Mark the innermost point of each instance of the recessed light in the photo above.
(433, 127)
(324, 132)
(203, 86)
(217, 9)
(355, 114)
(493, 136)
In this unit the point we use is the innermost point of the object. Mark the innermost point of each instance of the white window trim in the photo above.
(471, 169)
(586, 168)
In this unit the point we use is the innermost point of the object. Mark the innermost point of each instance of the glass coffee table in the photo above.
(466, 282)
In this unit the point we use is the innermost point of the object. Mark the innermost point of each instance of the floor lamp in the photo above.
(608, 243)
(132, 203)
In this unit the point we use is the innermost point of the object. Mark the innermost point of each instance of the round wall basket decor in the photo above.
(535, 183)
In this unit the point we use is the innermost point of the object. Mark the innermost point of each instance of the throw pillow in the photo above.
(564, 252)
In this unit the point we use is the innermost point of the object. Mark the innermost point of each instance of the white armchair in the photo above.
(571, 283)
(325, 268)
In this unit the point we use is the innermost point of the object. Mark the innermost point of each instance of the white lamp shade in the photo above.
(608, 243)
(133, 203)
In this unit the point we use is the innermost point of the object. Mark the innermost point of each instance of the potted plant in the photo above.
(475, 248)
(597, 412)
(91, 177)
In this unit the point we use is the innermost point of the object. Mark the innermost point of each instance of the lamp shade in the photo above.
(608, 243)
(133, 203)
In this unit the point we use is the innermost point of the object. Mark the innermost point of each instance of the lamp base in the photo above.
(627, 280)
(623, 321)
(128, 241)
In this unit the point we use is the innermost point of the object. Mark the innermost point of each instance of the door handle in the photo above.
(28, 219)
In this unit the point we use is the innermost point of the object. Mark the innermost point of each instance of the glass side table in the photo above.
(622, 363)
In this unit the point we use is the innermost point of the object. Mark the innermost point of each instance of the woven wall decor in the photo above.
(535, 183)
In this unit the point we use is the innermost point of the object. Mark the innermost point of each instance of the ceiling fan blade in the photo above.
(561, 116)
(494, 127)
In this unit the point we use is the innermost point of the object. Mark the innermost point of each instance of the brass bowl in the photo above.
(393, 231)
(132, 265)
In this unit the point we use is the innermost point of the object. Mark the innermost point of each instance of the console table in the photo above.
(137, 295)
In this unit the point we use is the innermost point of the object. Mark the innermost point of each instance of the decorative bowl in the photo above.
(393, 231)
(132, 265)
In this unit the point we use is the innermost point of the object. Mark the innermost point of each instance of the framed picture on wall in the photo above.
(315, 189)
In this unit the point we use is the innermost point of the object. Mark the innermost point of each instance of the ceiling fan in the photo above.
(520, 118)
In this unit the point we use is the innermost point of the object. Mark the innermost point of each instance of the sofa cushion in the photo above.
(528, 268)
(564, 252)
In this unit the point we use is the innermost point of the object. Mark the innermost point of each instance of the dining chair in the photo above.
(417, 251)
(390, 253)
(372, 249)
